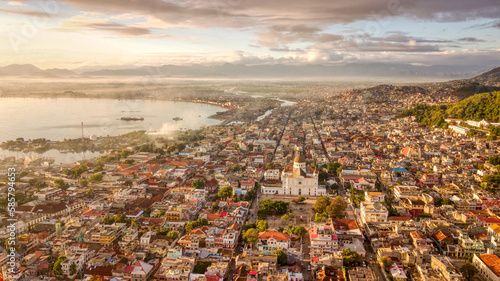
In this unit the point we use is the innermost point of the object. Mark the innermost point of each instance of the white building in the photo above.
(273, 174)
(297, 180)
(269, 241)
(373, 212)
(324, 238)
(488, 266)
(459, 130)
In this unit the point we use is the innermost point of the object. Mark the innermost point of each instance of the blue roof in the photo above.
(401, 170)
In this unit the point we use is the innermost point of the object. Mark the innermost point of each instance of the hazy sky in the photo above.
(76, 33)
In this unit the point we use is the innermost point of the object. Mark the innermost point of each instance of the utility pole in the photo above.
(82, 132)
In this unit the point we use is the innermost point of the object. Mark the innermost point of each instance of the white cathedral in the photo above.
(297, 180)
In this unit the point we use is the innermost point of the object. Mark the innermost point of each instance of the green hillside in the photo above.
(477, 107)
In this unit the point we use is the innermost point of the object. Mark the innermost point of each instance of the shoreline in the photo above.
(37, 96)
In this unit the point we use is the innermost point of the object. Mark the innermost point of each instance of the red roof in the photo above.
(274, 234)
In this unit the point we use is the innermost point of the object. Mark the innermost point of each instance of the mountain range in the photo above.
(229, 70)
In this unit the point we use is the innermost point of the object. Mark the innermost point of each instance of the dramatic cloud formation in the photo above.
(256, 31)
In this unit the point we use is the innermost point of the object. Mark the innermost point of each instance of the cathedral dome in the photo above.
(299, 158)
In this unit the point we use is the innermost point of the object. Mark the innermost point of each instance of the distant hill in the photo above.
(31, 70)
(60, 72)
(486, 82)
(440, 92)
(489, 78)
(231, 70)
(20, 70)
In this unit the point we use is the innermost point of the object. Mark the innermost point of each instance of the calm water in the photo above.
(60, 118)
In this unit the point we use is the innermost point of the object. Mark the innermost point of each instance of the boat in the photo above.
(132, 118)
(177, 118)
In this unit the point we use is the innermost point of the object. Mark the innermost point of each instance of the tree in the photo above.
(225, 192)
(333, 166)
(247, 226)
(134, 223)
(190, 226)
(84, 183)
(299, 199)
(198, 184)
(281, 257)
(321, 204)
(215, 206)
(285, 217)
(236, 167)
(128, 162)
(337, 208)
(251, 194)
(269, 206)
(320, 217)
(350, 257)
(61, 184)
(125, 153)
(72, 269)
(386, 263)
(299, 230)
(120, 218)
(57, 265)
(173, 235)
(262, 225)
(468, 270)
(97, 177)
(322, 176)
(251, 236)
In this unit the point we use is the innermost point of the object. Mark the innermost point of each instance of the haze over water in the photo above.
(60, 118)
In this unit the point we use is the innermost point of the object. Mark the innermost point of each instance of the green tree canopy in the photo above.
(198, 184)
(57, 265)
(173, 235)
(97, 177)
(225, 192)
(251, 236)
(262, 225)
(282, 258)
(337, 208)
(468, 270)
(60, 183)
(321, 204)
(299, 230)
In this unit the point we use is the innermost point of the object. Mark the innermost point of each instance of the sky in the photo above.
(79, 33)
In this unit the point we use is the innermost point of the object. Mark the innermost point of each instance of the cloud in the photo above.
(492, 24)
(400, 37)
(25, 12)
(470, 39)
(15, 3)
(245, 13)
(88, 23)
(280, 35)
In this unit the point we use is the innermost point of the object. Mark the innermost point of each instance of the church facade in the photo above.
(296, 180)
